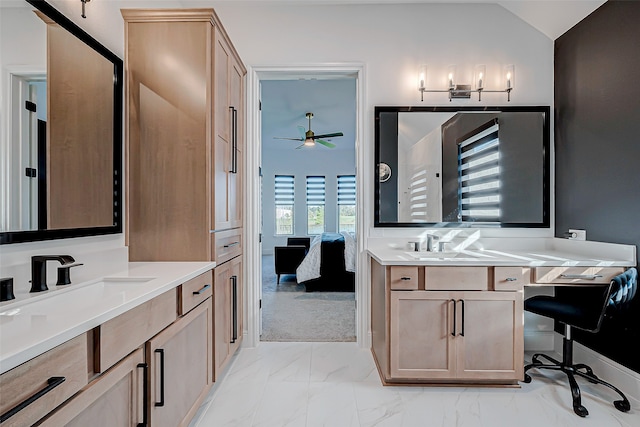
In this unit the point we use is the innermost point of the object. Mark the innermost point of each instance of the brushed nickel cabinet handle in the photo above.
(231, 244)
(511, 279)
(581, 276)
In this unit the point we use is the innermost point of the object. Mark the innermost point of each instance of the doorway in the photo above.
(256, 182)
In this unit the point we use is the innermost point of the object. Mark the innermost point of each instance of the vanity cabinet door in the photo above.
(179, 361)
(115, 399)
(421, 341)
(489, 336)
(227, 307)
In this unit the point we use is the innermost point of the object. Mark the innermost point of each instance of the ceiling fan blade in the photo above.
(290, 139)
(328, 135)
(302, 131)
(325, 143)
(299, 147)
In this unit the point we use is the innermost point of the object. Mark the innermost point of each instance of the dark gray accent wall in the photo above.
(597, 145)
(388, 154)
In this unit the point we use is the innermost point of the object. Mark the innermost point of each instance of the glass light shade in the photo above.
(422, 77)
(309, 142)
(451, 76)
(480, 76)
(509, 77)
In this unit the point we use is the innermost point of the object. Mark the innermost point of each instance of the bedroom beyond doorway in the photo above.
(308, 190)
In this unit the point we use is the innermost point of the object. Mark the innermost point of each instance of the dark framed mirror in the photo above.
(64, 147)
(461, 167)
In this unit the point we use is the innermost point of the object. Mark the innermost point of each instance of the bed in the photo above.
(330, 264)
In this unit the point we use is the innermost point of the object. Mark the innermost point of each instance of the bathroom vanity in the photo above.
(457, 317)
(131, 348)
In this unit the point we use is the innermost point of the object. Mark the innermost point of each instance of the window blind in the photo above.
(284, 190)
(346, 190)
(315, 190)
(479, 174)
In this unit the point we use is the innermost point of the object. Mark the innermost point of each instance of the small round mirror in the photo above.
(384, 172)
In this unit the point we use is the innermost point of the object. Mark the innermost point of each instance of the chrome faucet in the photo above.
(432, 242)
(39, 269)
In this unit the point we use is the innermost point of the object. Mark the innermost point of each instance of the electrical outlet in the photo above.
(577, 234)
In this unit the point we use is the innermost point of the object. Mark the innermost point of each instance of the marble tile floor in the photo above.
(282, 384)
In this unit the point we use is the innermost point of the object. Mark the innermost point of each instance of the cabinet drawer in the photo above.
(113, 399)
(194, 291)
(511, 278)
(120, 336)
(585, 275)
(227, 244)
(456, 278)
(56, 375)
(404, 278)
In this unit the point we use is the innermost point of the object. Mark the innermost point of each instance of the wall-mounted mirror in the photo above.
(62, 170)
(462, 167)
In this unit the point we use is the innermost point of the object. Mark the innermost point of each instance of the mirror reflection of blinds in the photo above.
(479, 174)
(284, 190)
(418, 195)
(346, 190)
(315, 190)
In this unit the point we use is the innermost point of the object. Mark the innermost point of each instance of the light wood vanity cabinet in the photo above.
(453, 327)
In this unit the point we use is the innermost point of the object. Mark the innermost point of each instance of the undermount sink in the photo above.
(432, 255)
(84, 297)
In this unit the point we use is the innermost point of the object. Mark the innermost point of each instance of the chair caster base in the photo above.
(622, 405)
(581, 411)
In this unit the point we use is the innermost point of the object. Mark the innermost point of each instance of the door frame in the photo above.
(252, 208)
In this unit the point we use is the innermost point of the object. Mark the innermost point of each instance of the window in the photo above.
(347, 203)
(315, 204)
(284, 195)
(479, 174)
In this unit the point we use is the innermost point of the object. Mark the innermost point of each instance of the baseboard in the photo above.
(623, 378)
(539, 340)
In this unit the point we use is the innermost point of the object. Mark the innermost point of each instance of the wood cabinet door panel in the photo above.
(221, 315)
(490, 342)
(421, 345)
(180, 368)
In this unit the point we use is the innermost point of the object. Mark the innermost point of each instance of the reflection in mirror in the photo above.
(463, 167)
(64, 145)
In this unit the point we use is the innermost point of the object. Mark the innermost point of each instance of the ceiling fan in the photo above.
(309, 139)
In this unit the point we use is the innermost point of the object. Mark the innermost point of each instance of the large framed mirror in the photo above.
(62, 173)
(462, 167)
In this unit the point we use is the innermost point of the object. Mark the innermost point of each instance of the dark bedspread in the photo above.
(333, 274)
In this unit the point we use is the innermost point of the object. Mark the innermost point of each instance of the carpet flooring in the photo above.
(289, 313)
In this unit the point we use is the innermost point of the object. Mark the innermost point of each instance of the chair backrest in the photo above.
(301, 241)
(619, 294)
(623, 289)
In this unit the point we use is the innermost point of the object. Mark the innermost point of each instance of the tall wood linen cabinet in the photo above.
(185, 153)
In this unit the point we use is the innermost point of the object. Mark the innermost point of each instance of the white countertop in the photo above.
(553, 253)
(30, 327)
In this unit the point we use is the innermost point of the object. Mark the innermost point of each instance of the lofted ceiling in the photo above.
(285, 102)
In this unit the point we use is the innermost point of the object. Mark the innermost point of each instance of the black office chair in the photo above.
(588, 317)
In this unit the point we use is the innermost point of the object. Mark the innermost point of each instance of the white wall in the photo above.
(391, 41)
(301, 163)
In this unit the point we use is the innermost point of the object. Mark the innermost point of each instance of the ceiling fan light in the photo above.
(309, 142)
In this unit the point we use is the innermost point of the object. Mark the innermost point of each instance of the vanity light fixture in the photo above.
(464, 90)
(84, 2)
